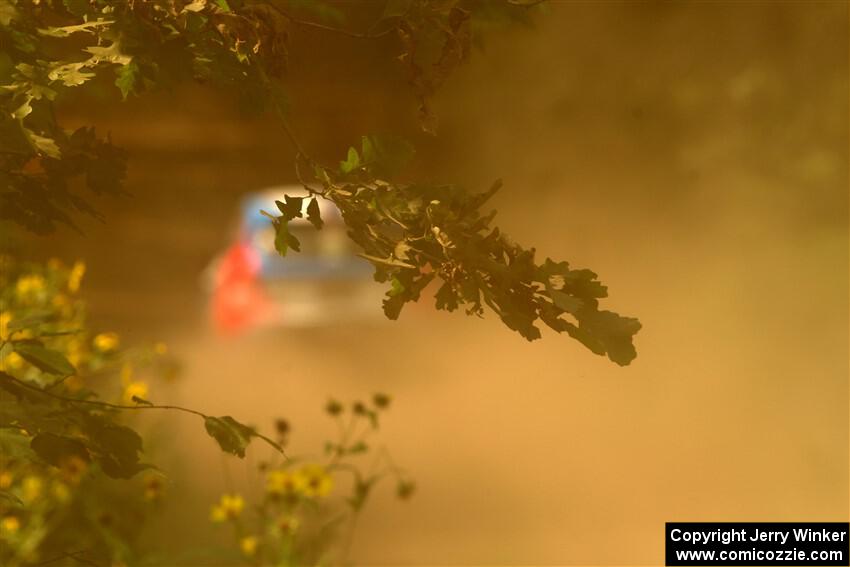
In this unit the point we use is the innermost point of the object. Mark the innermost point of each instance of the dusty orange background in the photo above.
(694, 154)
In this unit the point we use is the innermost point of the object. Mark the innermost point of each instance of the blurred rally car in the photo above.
(251, 285)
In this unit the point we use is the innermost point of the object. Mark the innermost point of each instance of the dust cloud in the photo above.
(695, 155)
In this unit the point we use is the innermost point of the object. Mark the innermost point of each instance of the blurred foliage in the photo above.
(308, 510)
(73, 485)
(412, 233)
(61, 445)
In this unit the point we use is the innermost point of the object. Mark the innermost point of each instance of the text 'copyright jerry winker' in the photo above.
(752, 543)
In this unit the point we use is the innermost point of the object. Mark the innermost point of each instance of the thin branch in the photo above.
(324, 27)
(98, 403)
(101, 403)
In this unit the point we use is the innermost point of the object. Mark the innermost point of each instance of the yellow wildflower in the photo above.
(248, 545)
(106, 342)
(160, 348)
(5, 319)
(76, 276)
(317, 481)
(61, 492)
(217, 514)
(136, 389)
(31, 489)
(285, 483)
(229, 508)
(13, 361)
(6, 479)
(29, 287)
(10, 524)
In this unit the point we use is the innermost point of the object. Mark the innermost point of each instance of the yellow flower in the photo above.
(248, 545)
(5, 319)
(317, 482)
(61, 492)
(217, 515)
(160, 348)
(10, 524)
(6, 479)
(31, 489)
(284, 483)
(106, 342)
(13, 360)
(29, 287)
(229, 508)
(76, 276)
(136, 389)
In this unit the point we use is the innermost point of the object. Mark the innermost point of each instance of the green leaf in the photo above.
(385, 155)
(446, 297)
(314, 214)
(284, 240)
(351, 163)
(565, 301)
(401, 249)
(232, 436)
(65, 31)
(71, 74)
(24, 110)
(126, 78)
(44, 145)
(606, 332)
(116, 447)
(291, 207)
(281, 238)
(55, 449)
(45, 359)
(195, 6)
(110, 54)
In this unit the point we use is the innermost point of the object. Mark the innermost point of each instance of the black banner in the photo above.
(754, 543)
